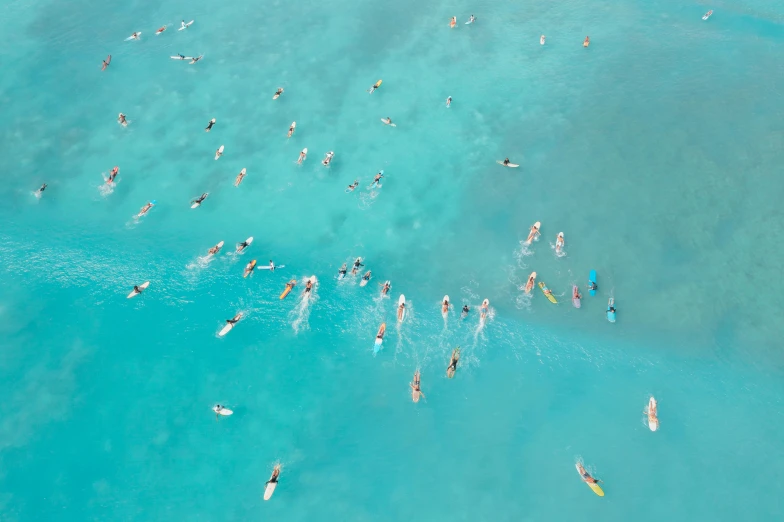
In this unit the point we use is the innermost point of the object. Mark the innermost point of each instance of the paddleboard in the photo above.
(380, 337)
(707, 15)
(653, 424)
(249, 270)
(445, 307)
(547, 294)
(510, 165)
(239, 177)
(140, 33)
(134, 293)
(592, 279)
(219, 152)
(401, 308)
(185, 26)
(223, 411)
(226, 329)
(287, 289)
(575, 300)
(595, 487)
(384, 120)
(610, 315)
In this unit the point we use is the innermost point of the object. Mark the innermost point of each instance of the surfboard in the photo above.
(364, 281)
(196, 204)
(653, 424)
(276, 96)
(287, 290)
(132, 38)
(223, 411)
(267, 267)
(181, 57)
(610, 315)
(575, 300)
(185, 26)
(547, 293)
(226, 329)
(292, 128)
(247, 271)
(510, 165)
(707, 15)
(162, 29)
(239, 177)
(531, 238)
(445, 306)
(134, 293)
(451, 372)
(219, 152)
(380, 337)
(375, 86)
(219, 245)
(595, 487)
(592, 279)
(484, 309)
(270, 489)
(401, 312)
(384, 120)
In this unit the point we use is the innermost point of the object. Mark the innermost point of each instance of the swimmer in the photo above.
(375, 86)
(194, 60)
(210, 124)
(214, 250)
(308, 287)
(452, 368)
(453, 22)
(587, 478)
(465, 311)
(342, 271)
(530, 283)
(40, 190)
(559, 242)
(328, 159)
(587, 41)
(218, 153)
(249, 269)
(416, 391)
(448, 101)
(278, 93)
(386, 287)
(291, 129)
(196, 202)
(471, 20)
(352, 186)
(533, 234)
(357, 264)
(541, 40)
(159, 31)
(121, 120)
(106, 62)
(112, 175)
(302, 156)
(145, 209)
(377, 179)
(242, 246)
(366, 277)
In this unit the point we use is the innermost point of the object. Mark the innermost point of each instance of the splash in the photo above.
(300, 314)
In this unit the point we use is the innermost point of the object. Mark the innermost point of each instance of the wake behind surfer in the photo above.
(278, 93)
(367, 275)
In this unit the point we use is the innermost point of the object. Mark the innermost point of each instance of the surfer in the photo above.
(242, 246)
(386, 287)
(377, 179)
(452, 368)
(366, 277)
(388, 121)
(201, 198)
(445, 306)
(162, 29)
(214, 250)
(352, 186)
(194, 60)
(278, 93)
(106, 62)
(212, 121)
(112, 175)
(291, 129)
(121, 120)
(576, 293)
(302, 155)
(217, 409)
(592, 285)
(533, 233)
(357, 264)
(248, 269)
(559, 242)
(239, 178)
(483, 311)
(401, 310)
(342, 271)
(274, 477)
(375, 86)
(180, 57)
(465, 311)
(652, 419)
(234, 320)
(587, 41)
(308, 287)
(137, 290)
(218, 153)
(530, 283)
(448, 101)
(611, 309)
(506, 162)
(134, 36)
(471, 20)
(183, 25)
(416, 391)
(43, 187)
(328, 158)
(453, 22)
(587, 478)
(291, 284)
(541, 40)
(145, 208)
(272, 266)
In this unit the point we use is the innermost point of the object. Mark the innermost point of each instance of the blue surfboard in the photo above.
(592, 279)
(611, 310)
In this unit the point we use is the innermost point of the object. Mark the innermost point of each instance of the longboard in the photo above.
(267, 267)
(223, 411)
(219, 152)
(226, 329)
(547, 293)
(134, 293)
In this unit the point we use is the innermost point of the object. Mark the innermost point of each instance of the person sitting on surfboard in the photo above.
(357, 264)
(471, 20)
(113, 174)
(592, 286)
(586, 477)
(106, 62)
(385, 288)
(212, 121)
(506, 162)
(217, 409)
(137, 289)
(352, 186)
(377, 179)
(452, 368)
(121, 120)
(587, 41)
(388, 121)
(465, 311)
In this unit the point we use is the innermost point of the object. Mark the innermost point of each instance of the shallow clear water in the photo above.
(655, 151)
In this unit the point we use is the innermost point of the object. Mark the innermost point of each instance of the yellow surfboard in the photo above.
(596, 489)
(288, 288)
(547, 293)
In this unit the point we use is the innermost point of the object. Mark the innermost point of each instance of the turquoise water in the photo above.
(655, 151)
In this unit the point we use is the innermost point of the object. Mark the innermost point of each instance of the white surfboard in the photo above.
(226, 329)
(223, 411)
(510, 165)
(364, 281)
(445, 312)
(134, 293)
(386, 121)
(181, 57)
(313, 280)
(196, 204)
(267, 267)
(134, 38)
(219, 245)
(652, 424)
(401, 314)
(219, 152)
(269, 490)
(186, 26)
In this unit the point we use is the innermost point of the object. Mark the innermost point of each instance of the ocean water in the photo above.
(656, 151)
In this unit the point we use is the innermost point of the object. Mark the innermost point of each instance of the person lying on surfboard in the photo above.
(106, 62)
(377, 179)
(448, 101)
(242, 246)
(342, 270)
(278, 92)
(302, 156)
(375, 86)
(121, 120)
(162, 29)
(452, 368)
(367, 275)
(212, 121)
(388, 121)
(43, 187)
(588, 479)
(234, 320)
(416, 391)
(274, 478)
(385, 288)
(145, 208)
(464, 312)
(352, 186)
(357, 264)
(576, 293)
(592, 286)
(291, 129)
(113, 174)
(214, 250)
(308, 286)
